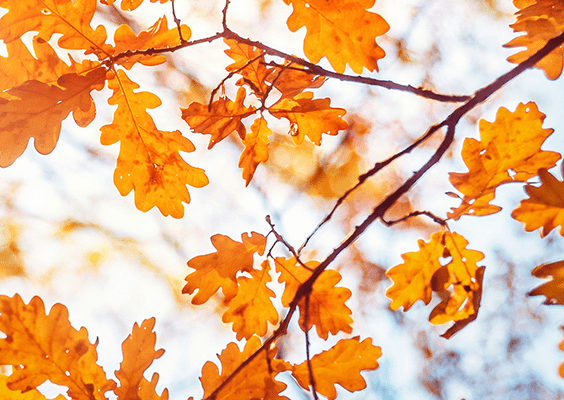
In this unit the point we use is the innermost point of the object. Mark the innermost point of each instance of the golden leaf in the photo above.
(256, 148)
(253, 73)
(553, 290)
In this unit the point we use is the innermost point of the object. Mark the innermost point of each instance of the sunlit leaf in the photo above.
(256, 148)
(553, 290)
(249, 63)
(34, 394)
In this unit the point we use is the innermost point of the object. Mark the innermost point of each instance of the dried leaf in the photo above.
(219, 269)
(310, 117)
(149, 161)
(7, 394)
(220, 118)
(544, 209)
(256, 148)
(252, 307)
(253, 73)
(36, 110)
(327, 309)
(293, 80)
(553, 289)
(508, 152)
(42, 347)
(138, 354)
(129, 5)
(341, 364)
(341, 30)
(542, 20)
(254, 381)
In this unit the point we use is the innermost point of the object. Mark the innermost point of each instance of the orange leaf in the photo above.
(309, 117)
(508, 152)
(7, 394)
(293, 80)
(545, 206)
(149, 161)
(21, 66)
(341, 365)
(442, 263)
(138, 354)
(252, 308)
(36, 110)
(254, 381)
(256, 148)
(129, 5)
(553, 289)
(343, 31)
(561, 347)
(70, 18)
(541, 20)
(220, 118)
(327, 309)
(219, 269)
(254, 73)
(158, 36)
(42, 347)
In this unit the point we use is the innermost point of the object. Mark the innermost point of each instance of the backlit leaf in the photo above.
(252, 308)
(342, 364)
(138, 354)
(129, 5)
(43, 347)
(219, 119)
(553, 290)
(343, 31)
(36, 110)
(253, 73)
(310, 117)
(47, 17)
(509, 151)
(219, 269)
(149, 161)
(541, 20)
(544, 209)
(7, 394)
(254, 381)
(327, 309)
(256, 148)
(293, 80)
(158, 36)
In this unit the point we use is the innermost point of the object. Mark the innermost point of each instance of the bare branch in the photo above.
(429, 214)
(308, 358)
(178, 23)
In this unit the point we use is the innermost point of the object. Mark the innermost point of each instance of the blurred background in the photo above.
(69, 237)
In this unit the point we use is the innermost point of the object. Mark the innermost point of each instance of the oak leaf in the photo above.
(541, 20)
(252, 307)
(254, 381)
(42, 347)
(291, 80)
(553, 290)
(343, 31)
(256, 148)
(309, 117)
(561, 347)
(544, 209)
(69, 18)
(149, 161)
(249, 63)
(138, 354)
(220, 269)
(129, 5)
(509, 151)
(34, 394)
(326, 309)
(341, 364)
(220, 118)
(158, 36)
(36, 110)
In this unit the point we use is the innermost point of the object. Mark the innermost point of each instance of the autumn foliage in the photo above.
(260, 291)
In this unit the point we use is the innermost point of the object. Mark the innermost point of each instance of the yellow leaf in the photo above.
(254, 381)
(341, 364)
(149, 161)
(253, 73)
(327, 309)
(36, 110)
(43, 347)
(509, 151)
(310, 117)
(541, 20)
(219, 119)
(158, 36)
(553, 289)
(341, 30)
(256, 148)
(34, 394)
(252, 308)
(219, 269)
(544, 208)
(138, 354)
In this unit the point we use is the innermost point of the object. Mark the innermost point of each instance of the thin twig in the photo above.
(280, 239)
(308, 358)
(224, 15)
(178, 23)
(429, 214)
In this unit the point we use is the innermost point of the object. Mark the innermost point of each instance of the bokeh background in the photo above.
(69, 237)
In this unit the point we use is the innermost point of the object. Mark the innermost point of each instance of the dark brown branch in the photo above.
(280, 239)
(413, 214)
(308, 357)
(178, 23)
